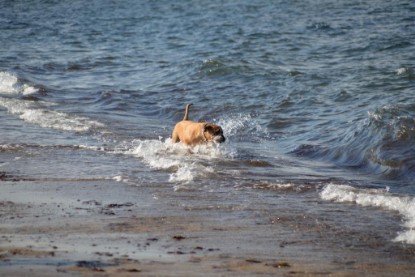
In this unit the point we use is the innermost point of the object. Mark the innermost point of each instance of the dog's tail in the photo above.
(186, 115)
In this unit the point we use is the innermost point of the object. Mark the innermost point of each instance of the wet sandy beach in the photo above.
(62, 227)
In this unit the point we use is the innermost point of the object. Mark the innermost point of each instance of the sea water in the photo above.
(316, 98)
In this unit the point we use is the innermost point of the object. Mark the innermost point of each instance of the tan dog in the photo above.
(192, 133)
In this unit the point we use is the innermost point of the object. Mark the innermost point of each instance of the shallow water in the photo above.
(315, 98)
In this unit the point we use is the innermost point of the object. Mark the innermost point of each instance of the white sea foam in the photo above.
(185, 163)
(9, 84)
(404, 205)
(185, 173)
(403, 70)
(120, 178)
(237, 124)
(188, 172)
(36, 113)
(275, 186)
(233, 125)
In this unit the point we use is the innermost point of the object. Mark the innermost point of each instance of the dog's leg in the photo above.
(174, 137)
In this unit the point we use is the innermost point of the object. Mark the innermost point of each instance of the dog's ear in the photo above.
(208, 127)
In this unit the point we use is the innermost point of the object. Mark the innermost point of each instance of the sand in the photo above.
(98, 227)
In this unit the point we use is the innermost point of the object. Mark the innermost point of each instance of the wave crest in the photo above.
(32, 112)
(39, 112)
(405, 206)
(382, 143)
(9, 84)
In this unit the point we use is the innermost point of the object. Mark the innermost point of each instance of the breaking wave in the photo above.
(39, 112)
(32, 112)
(9, 84)
(382, 143)
(184, 163)
(381, 198)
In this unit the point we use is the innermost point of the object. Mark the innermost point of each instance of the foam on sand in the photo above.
(405, 206)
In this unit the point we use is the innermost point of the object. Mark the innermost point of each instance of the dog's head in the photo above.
(213, 132)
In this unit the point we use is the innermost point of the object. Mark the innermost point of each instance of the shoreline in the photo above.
(107, 228)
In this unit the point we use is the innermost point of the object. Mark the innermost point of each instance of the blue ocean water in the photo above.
(313, 96)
